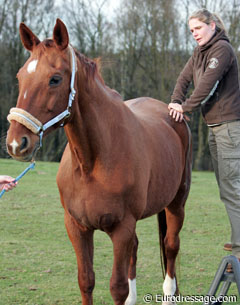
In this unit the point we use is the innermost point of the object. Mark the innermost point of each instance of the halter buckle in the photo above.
(69, 112)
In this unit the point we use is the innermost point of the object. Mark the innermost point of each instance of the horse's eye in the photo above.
(55, 80)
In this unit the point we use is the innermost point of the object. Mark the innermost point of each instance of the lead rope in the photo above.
(31, 166)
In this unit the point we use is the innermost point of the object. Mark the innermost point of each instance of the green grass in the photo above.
(37, 261)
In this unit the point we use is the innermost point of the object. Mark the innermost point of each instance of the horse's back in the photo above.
(145, 107)
(155, 114)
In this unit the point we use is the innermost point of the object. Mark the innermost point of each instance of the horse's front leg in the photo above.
(82, 241)
(132, 295)
(123, 238)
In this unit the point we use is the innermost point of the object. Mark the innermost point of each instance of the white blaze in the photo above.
(132, 295)
(14, 145)
(32, 66)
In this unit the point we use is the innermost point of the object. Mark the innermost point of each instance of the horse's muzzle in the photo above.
(22, 144)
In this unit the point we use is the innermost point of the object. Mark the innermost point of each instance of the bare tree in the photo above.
(131, 37)
(231, 17)
(88, 25)
(3, 13)
(148, 38)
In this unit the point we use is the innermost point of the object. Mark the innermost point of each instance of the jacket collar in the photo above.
(219, 35)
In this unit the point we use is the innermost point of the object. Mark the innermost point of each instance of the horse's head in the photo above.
(44, 101)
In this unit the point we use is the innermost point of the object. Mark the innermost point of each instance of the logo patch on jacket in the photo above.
(213, 63)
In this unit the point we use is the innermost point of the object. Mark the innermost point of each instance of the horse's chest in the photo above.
(96, 210)
(96, 202)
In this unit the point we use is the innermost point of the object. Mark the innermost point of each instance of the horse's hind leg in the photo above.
(132, 295)
(174, 221)
(82, 242)
(174, 218)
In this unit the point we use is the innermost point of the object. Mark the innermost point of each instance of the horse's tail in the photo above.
(162, 227)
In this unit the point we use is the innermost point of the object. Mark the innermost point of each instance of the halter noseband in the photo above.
(25, 118)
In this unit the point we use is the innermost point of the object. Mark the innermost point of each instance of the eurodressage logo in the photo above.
(208, 299)
(213, 63)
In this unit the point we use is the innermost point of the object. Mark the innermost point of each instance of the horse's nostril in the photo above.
(24, 143)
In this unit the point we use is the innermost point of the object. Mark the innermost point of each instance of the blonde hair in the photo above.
(207, 17)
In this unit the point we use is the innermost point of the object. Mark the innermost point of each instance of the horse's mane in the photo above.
(92, 67)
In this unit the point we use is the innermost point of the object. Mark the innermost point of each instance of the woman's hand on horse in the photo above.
(176, 111)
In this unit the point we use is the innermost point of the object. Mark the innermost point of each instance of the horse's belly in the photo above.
(164, 182)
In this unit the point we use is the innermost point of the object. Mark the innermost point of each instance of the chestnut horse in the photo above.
(124, 161)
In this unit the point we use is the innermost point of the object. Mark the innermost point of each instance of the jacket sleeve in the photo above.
(183, 82)
(218, 63)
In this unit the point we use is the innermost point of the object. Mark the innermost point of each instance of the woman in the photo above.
(213, 68)
(7, 183)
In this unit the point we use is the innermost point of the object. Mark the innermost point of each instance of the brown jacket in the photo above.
(214, 71)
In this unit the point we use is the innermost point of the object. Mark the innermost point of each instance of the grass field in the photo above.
(37, 261)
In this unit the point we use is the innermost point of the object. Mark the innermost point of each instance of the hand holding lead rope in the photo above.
(31, 166)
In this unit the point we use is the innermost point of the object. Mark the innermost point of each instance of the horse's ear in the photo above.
(60, 35)
(29, 39)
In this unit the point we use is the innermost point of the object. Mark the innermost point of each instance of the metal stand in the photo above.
(226, 277)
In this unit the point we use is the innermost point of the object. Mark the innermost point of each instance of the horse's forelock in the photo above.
(48, 43)
(44, 45)
(41, 48)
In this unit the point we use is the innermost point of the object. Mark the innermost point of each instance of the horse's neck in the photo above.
(91, 133)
